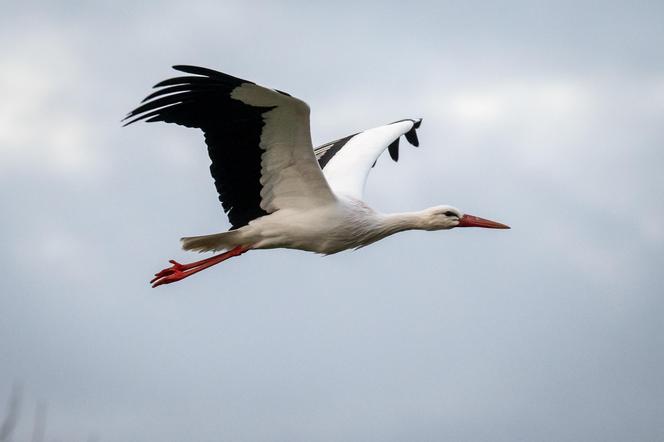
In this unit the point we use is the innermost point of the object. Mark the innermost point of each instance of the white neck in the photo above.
(398, 222)
(389, 224)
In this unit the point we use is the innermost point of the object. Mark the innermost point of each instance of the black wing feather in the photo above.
(411, 136)
(176, 88)
(393, 149)
(325, 152)
(232, 133)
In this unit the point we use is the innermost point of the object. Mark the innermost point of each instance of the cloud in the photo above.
(43, 127)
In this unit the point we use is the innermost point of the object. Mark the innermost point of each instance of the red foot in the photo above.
(176, 267)
(179, 271)
(170, 274)
(173, 277)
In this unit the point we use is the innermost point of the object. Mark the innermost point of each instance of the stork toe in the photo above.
(173, 276)
(176, 267)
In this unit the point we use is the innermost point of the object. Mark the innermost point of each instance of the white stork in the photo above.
(277, 190)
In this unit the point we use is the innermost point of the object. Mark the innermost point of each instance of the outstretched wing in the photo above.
(258, 139)
(346, 162)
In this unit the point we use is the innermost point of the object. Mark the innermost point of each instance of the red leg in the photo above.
(180, 271)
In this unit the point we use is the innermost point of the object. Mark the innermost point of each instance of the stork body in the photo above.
(278, 191)
(337, 226)
(343, 224)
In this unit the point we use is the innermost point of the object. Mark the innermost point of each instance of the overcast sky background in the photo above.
(548, 116)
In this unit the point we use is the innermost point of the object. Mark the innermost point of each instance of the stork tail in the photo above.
(211, 243)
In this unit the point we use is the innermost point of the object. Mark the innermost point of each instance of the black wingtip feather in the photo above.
(411, 136)
(393, 149)
(197, 70)
(209, 73)
(187, 80)
(173, 89)
(153, 113)
(161, 102)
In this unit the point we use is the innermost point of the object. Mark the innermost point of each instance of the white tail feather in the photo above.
(211, 243)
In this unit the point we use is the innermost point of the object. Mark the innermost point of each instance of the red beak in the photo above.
(476, 221)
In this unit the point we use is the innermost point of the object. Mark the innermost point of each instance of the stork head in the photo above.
(448, 217)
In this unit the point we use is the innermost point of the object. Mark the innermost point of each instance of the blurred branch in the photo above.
(9, 422)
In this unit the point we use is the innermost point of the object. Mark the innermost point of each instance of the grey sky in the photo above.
(544, 115)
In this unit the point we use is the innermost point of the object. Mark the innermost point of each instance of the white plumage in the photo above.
(347, 172)
(278, 191)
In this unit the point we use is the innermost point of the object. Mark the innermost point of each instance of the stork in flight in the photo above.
(277, 190)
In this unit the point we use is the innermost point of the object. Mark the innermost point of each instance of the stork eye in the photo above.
(450, 213)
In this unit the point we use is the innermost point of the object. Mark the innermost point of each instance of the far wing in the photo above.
(346, 162)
